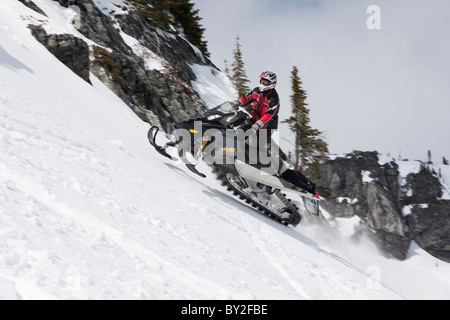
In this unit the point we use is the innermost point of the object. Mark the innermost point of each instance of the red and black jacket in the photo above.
(267, 106)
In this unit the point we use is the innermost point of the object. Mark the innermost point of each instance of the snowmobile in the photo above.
(215, 138)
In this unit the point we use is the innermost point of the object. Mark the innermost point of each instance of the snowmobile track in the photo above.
(294, 218)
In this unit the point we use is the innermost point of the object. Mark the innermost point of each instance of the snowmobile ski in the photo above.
(151, 135)
(162, 150)
(194, 170)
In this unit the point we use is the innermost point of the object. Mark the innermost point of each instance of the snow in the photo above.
(406, 211)
(366, 176)
(347, 199)
(213, 86)
(347, 226)
(152, 61)
(90, 211)
(112, 7)
(59, 19)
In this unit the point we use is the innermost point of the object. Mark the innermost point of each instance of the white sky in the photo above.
(384, 90)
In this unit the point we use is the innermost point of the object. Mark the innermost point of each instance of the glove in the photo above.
(253, 130)
(236, 104)
(258, 125)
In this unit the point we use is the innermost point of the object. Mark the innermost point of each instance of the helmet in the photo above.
(269, 76)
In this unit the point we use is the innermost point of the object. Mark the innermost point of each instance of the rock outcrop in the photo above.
(429, 227)
(359, 185)
(159, 97)
(70, 50)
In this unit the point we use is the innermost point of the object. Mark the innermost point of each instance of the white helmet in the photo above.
(269, 76)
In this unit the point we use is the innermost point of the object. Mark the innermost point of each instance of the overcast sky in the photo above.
(382, 89)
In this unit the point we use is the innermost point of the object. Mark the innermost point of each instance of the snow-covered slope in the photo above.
(89, 211)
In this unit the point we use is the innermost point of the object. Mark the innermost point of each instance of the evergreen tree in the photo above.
(188, 19)
(238, 76)
(429, 157)
(156, 12)
(309, 147)
(171, 15)
(227, 71)
(444, 161)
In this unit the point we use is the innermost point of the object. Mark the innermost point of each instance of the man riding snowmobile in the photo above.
(238, 160)
(266, 103)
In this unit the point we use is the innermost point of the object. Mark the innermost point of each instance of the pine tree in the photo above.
(156, 12)
(238, 77)
(429, 157)
(444, 161)
(170, 15)
(189, 20)
(309, 147)
(227, 71)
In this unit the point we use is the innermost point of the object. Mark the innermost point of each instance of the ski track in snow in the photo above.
(259, 236)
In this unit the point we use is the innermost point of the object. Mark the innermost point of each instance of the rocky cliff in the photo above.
(394, 210)
(158, 95)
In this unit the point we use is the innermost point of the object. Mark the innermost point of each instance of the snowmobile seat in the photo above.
(298, 179)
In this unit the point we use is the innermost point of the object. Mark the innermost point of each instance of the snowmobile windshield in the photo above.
(221, 110)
